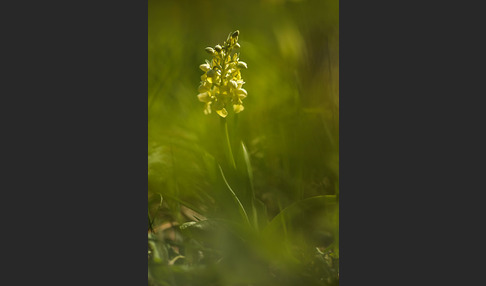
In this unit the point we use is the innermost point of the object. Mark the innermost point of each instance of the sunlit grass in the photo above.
(269, 216)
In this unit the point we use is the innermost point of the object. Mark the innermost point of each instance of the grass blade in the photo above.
(235, 197)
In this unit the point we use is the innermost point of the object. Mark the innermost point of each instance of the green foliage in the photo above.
(254, 198)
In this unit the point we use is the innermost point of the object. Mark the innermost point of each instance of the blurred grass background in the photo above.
(290, 127)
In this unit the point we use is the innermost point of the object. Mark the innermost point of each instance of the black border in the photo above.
(74, 110)
(410, 143)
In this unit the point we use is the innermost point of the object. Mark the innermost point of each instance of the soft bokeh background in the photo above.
(290, 124)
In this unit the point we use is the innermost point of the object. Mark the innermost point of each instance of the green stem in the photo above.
(228, 142)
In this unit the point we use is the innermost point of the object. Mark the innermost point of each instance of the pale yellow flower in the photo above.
(221, 83)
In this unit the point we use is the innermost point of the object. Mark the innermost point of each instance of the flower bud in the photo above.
(223, 113)
(235, 34)
(241, 92)
(204, 97)
(233, 84)
(242, 65)
(237, 45)
(209, 50)
(238, 108)
(205, 67)
(207, 108)
(217, 48)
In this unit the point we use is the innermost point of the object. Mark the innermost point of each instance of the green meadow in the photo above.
(251, 198)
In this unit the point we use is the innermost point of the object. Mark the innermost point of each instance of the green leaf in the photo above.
(236, 199)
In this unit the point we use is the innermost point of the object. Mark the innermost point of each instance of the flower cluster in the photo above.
(221, 83)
